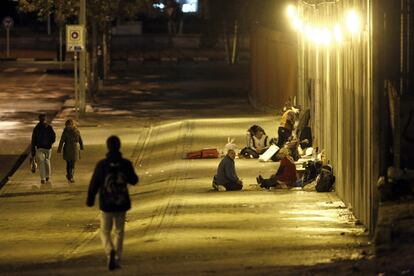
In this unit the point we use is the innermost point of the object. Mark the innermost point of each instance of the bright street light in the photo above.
(352, 22)
(325, 35)
(338, 34)
(291, 11)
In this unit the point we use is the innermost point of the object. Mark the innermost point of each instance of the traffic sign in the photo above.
(8, 22)
(75, 38)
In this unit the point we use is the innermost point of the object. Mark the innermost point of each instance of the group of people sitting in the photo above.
(290, 143)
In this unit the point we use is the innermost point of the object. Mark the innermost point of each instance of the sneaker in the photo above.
(218, 187)
(117, 265)
(112, 262)
(72, 180)
(42, 181)
(215, 186)
(261, 179)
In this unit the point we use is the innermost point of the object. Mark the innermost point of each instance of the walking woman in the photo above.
(69, 141)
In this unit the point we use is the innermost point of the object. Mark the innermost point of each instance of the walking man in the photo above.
(43, 137)
(226, 174)
(110, 179)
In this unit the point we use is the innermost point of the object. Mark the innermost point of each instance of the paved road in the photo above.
(178, 225)
(25, 91)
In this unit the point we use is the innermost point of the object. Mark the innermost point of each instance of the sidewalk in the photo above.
(177, 225)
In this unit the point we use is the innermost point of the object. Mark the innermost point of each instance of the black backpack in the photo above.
(114, 190)
(312, 169)
(326, 179)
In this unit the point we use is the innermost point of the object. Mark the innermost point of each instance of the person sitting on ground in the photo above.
(285, 176)
(257, 142)
(290, 148)
(226, 174)
(286, 126)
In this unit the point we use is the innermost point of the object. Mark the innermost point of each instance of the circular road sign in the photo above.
(8, 22)
(75, 35)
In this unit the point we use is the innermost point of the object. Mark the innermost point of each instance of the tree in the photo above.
(61, 9)
(229, 14)
(100, 15)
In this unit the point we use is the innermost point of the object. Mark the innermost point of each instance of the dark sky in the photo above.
(7, 8)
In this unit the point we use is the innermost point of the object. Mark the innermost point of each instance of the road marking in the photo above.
(31, 70)
(10, 70)
(39, 80)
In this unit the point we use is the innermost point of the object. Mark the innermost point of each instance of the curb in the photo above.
(175, 59)
(139, 59)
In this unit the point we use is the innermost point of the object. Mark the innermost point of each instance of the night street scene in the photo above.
(207, 137)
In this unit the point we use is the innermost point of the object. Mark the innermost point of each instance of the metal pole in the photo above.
(82, 61)
(7, 42)
(75, 70)
(49, 31)
(60, 47)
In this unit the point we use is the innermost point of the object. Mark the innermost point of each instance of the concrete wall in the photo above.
(274, 68)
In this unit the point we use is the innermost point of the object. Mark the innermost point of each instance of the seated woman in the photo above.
(285, 176)
(257, 142)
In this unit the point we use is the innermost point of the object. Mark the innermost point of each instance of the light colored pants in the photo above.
(43, 158)
(107, 220)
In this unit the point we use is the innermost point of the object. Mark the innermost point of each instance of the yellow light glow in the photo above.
(297, 24)
(291, 11)
(338, 34)
(326, 36)
(353, 22)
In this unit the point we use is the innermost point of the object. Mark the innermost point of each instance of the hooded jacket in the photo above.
(98, 179)
(69, 141)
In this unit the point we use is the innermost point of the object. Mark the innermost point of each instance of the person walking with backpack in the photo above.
(69, 141)
(110, 179)
(43, 137)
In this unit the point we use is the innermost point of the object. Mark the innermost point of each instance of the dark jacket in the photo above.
(43, 136)
(226, 172)
(98, 179)
(69, 141)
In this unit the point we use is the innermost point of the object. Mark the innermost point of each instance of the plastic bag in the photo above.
(33, 164)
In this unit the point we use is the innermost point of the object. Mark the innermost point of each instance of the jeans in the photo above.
(107, 220)
(283, 135)
(70, 169)
(43, 158)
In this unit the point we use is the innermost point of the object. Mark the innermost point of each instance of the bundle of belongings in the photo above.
(295, 153)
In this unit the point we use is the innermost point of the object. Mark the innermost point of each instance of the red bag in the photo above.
(194, 154)
(205, 153)
(209, 153)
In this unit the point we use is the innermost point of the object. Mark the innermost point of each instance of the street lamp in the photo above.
(353, 22)
(324, 34)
